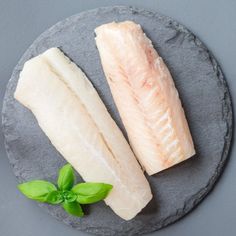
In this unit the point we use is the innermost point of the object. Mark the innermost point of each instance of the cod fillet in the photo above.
(145, 95)
(71, 114)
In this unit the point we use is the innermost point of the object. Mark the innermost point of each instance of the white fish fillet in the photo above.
(70, 112)
(145, 95)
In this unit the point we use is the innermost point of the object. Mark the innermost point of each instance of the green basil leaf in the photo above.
(73, 208)
(37, 189)
(88, 193)
(69, 196)
(66, 177)
(54, 197)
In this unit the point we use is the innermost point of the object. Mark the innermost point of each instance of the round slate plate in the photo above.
(205, 99)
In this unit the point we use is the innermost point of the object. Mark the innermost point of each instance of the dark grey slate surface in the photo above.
(205, 99)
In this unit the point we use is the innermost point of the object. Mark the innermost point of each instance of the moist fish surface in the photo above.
(72, 115)
(145, 95)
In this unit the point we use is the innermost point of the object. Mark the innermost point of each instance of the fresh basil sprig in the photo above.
(65, 194)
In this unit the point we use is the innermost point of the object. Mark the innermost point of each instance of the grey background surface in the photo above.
(214, 21)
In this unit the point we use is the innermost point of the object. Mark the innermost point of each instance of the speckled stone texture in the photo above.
(204, 95)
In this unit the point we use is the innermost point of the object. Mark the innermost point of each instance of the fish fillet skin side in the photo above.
(72, 115)
(145, 95)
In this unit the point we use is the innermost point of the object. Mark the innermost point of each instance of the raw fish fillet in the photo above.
(71, 114)
(145, 95)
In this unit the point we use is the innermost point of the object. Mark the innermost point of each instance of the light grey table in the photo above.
(21, 21)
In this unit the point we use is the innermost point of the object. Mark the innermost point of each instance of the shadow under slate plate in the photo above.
(204, 95)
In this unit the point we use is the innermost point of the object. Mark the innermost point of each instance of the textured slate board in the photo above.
(205, 98)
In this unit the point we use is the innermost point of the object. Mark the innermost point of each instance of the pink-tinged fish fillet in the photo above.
(145, 95)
